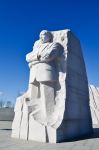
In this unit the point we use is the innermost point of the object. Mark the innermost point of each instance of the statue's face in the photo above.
(44, 36)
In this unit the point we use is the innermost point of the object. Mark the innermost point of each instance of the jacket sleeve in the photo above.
(54, 52)
(32, 55)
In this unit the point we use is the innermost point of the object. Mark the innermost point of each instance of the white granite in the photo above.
(94, 103)
(55, 107)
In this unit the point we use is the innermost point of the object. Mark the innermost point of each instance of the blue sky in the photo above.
(20, 24)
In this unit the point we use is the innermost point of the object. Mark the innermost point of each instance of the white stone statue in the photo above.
(44, 74)
(55, 107)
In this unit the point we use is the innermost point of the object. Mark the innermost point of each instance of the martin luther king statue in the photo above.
(55, 107)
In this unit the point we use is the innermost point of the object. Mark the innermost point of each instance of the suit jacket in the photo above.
(46, 68)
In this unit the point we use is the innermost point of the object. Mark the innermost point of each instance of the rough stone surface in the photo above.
(58, 96)
(94, 103)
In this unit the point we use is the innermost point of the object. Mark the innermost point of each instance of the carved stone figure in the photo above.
(55, 107)
(43, 62)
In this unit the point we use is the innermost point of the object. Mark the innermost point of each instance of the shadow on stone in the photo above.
(6, 129)
(96, 133)
(93, 135)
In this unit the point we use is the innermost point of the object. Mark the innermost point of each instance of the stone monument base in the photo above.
(71, 130)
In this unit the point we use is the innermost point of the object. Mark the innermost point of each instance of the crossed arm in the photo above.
(53, 53)
(31, 57)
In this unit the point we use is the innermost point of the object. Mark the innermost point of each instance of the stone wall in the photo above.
(6, 114)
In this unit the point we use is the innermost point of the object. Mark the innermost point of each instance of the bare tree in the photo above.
(9, 104)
